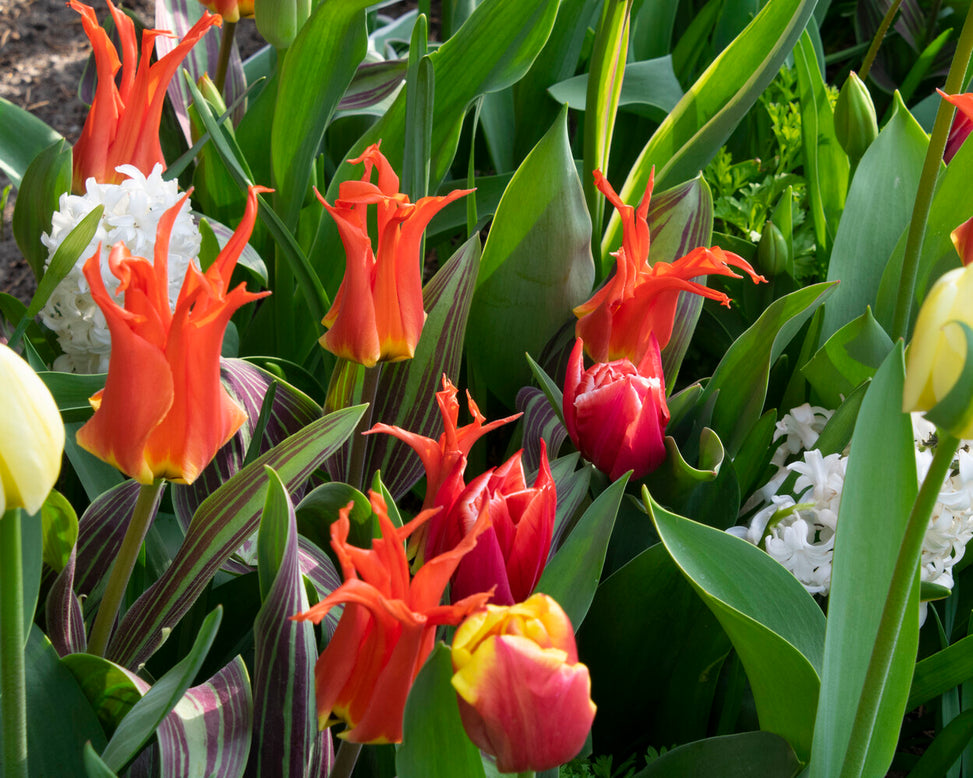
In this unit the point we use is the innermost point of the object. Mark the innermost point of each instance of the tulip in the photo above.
(444, 461)
(523, 696)
(231, 10)
(387, 628)
(377, 314)
(512, 552)
(962, 124)
(616, 412)
(938, 351)
(962, 238)
(639, 300)
(31, 436)
(122, 127)
(163, 412)
(855, 123)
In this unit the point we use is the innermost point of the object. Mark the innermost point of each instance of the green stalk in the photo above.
(895, 611)
(145, 509)
(359, 442)
(927, 181)
(601, 104)
(877, 40)
(13, 686)
(226, 46)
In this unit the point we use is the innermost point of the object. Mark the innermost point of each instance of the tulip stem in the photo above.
(226, 46)
(927, 182)
(145, 509)
(344, 761)
(12, 671)
(896, 612)
(877, 40)
(359, 443)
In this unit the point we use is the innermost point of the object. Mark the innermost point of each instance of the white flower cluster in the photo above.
(132, 212)
(797, 528)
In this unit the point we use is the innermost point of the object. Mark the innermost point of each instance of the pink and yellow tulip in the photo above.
(523, 696)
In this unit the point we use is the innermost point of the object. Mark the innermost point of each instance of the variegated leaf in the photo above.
(65, 622)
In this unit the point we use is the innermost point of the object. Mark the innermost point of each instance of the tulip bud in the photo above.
(231, 10)
(772, 251)
(938, 350)
(523, 696)
(855, 124)
(616, 412)
(279, 21)
(31, 436)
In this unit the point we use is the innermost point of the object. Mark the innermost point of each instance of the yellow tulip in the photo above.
(938, 348)
(31, 436)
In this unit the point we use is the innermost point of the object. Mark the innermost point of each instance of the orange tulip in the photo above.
(163, 412)
(230, 10)
(377, 314)
(387, 629)
(122, 127)
(640, 299)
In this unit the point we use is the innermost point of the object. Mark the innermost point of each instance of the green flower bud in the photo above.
(855, 124)
(772, 251)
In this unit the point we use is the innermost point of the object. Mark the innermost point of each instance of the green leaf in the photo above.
(878, 210)
(650, 88)
(319, 510)
(940, 672)
(948, 746)
(24, 136)
(38, 196)
(675, 479)
(145, 716)
(94, 765)
(730, 756)
(875, 505)
(420, 92)
(711, 109)
(536, 266)
(572, 575)
(851, 356)
(111, 690)
(779, 638)
(740, 381)
(59, 524)
(434, 743)
(272, 535)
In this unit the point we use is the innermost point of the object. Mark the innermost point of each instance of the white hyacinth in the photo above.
(798, 529)
(132, 212)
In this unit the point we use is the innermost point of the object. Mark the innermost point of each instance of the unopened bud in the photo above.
(772, 251)
(279, 21)
(855, 124)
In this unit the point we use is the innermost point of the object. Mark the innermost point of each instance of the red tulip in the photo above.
(640, 299)
(523, 696)
(512, 552)
(122, 127)
(163, 412)
(962, 124)
(387, 628)
(616, 412)
(444, 461)
(230, 10)
(377, 314)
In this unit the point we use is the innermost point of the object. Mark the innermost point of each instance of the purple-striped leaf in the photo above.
(372, 84)
(224, 520)
(540, 421)
(62, 610)
(406, 390)
(285, 731)
(179, 16)
(680, 219)
(100, 532)
(318, 568)
(572, 488)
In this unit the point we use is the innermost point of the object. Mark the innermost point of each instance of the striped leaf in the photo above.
(319, 570)
(285, 719)
(223, 521)
(540, 421)
(62, 610)
(406, 390)
(100, 532)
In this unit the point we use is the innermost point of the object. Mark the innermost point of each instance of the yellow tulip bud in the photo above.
(31, 436)
(938, 349)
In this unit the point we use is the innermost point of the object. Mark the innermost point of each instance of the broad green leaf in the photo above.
(420, 93)
(23, 137)
(319, 510)
(712, 107)
(224, 520)
(59, 524)
(536, 266)
(59, 718)
(730, 756)
(655, 678)
(38, 196)
(779, 638)
(572, 575)
(315, 72)
(740, 381)
(675, 479)
(850, 356)
(940, 672)
(649, 88)
(878, 210)
(434, 744)
(145, 716)
(875, 505)
(94, 765)
(111, 690)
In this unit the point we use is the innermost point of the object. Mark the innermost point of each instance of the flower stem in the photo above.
(927, 182)
(145, 509)
(877, 40)
(12, 674)
(359, 443)
(226, 46)
(344, 761)
(896, 611)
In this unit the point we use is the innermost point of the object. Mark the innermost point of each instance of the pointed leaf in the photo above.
(24, 136)
(62, 611)
(730, 756)
(38, 197)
